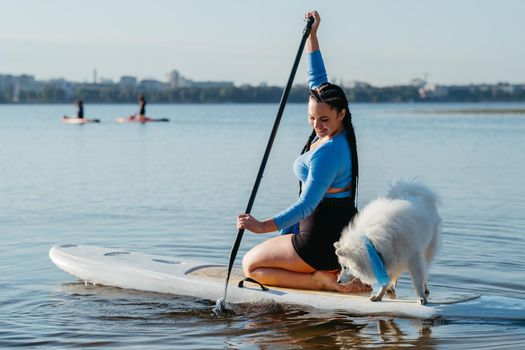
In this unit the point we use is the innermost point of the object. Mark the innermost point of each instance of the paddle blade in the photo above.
(220, 310)
(219, 307)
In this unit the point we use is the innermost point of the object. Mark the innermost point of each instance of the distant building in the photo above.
(418, 82)
(152, 85)
(175, 80)
(105, 81)
(18, 84)
(22, 82)
(127, 82)
(482, 87)
(26, 82)
(6, 80)
(505, 88)
(67, 86)
(432, 91)
(88, 86)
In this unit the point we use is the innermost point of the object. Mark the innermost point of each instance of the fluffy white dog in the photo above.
(392, 234)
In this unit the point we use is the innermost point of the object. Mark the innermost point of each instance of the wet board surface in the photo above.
(152, 273)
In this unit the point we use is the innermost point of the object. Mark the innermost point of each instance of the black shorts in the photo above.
(318, 232)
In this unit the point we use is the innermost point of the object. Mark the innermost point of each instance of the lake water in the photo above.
(175, 188)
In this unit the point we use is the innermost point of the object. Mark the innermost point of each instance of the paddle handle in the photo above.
(282, 104)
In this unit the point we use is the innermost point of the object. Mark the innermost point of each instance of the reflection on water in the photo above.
(264, 325)
(174, 190)
(91, 313)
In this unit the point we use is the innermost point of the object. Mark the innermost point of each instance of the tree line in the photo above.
(260, 94)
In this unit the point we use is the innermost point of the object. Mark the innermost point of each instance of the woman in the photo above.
(142, 105)
(328, 172)
(80, 109)
(141, 116)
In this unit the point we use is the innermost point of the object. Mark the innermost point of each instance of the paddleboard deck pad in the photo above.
(152, 273)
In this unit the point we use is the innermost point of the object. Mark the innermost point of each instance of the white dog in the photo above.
(392, 234)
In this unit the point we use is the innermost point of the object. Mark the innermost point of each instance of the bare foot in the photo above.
(328, 281)
(357, 286)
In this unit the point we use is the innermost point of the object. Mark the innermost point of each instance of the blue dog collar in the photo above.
(377, 263)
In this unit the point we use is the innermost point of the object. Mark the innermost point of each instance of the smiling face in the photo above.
(325, 120)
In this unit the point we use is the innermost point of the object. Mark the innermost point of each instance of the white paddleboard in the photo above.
(130, 270)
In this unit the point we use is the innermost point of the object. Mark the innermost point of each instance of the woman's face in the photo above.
(324, 119)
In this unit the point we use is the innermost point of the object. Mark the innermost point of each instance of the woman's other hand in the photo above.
(248, 222)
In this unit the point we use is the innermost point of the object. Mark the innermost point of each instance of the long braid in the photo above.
(306, 147)
(350, 135)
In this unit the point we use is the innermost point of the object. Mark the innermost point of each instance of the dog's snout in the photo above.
(343, 276)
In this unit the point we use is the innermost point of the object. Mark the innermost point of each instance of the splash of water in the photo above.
(219, 310)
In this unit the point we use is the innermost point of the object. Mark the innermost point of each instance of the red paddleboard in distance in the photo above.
(74, 120)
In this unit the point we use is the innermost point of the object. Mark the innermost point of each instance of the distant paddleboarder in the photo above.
(142, 109)
(79, 118)
(140, 117)
(80, 109)
(142, 104)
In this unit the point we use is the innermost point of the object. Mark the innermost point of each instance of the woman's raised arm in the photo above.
(316, 70)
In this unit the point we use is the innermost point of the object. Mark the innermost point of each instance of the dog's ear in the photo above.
(342, 251)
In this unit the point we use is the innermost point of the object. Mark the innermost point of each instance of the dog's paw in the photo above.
(375, 298)
(421, 301)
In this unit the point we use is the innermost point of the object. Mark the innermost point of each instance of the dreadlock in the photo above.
(335, 97)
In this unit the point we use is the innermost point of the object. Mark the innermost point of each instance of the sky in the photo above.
(381, 42)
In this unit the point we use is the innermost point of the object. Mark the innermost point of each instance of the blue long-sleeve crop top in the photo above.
(326, 166)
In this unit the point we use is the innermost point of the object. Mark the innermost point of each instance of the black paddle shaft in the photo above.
(282, 104)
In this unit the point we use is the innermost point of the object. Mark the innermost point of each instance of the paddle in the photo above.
(233, 254)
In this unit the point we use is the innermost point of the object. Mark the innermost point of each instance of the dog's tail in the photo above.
(406, 189)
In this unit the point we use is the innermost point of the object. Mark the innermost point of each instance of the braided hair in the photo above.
(335, 97)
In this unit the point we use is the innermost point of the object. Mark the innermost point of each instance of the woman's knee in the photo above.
(274, 252)
(248, 263)
(259, 256)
